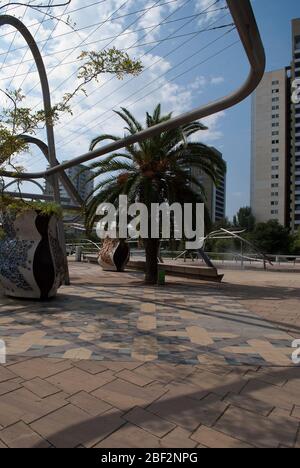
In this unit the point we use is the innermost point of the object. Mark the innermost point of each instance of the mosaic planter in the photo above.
(114, 255)
(31, 260)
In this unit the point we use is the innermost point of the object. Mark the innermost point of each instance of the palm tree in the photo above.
(154, 171)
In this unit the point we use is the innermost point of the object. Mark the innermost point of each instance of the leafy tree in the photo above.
(295, 243)
(244, 219)
(271, 238)
(153, 171)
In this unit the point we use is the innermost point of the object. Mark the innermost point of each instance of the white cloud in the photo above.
(210, 10)
(215, 80)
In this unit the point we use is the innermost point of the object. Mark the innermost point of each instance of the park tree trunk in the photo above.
(151, 271)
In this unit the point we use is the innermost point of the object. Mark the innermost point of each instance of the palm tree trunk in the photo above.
(151, 249)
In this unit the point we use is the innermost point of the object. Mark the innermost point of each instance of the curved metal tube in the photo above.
(29, 180)
(244, 19)
(21, 28)
(62, 176)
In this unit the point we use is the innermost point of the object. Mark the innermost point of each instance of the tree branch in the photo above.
(35, 6)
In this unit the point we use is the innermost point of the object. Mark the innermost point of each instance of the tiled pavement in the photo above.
(48, 402)
(115, 317)
(231, 384)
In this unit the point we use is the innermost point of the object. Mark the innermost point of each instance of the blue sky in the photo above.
(174, 73)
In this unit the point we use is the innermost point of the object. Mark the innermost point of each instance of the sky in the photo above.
(191, 55)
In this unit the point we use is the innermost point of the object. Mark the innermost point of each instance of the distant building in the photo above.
(215, 196)
(275, 159)
(80, 177)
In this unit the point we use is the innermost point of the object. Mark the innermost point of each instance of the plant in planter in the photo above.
(31, 260)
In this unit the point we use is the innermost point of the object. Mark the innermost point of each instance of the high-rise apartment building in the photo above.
(275, 161)
(215, 196)
(295, 132)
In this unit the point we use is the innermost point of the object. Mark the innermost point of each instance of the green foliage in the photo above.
(112, 61)
(19, 206)
(295, 243)
(244, 219)
(16, 119)
(271, 238)
(155, 170)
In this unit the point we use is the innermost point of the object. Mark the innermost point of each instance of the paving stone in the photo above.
(178, 438)
(125, 395)
(24, 405)
(8, 386)
(117, 366)
(163, 372)
(215, 439)
(134, 377)
(70, 426)
(279, 396)
(296, 412)
(250, 404)
(189, 413)
(40, 387)
(257, 430)
(218, 384)
(89, 403)
(93, 367)
(21, 436)
(75, 380)
(6, 374)
(149, 422)
(130, 436)
(39, 368)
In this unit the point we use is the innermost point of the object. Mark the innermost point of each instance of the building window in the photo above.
(275, 99)
(274, 194)
(275, 108)
(275, 168)
(274, 212)
(275, 142)
(275, 116)
(275, 176)
(275, 158)
(276, 124)
(275, 185)
(275, 91)
(275, 82)
(275, 133)
(275, 150)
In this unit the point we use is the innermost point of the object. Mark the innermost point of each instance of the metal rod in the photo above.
(244, 19)
(64, 179)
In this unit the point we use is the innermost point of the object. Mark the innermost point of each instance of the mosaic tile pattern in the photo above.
(121, 319)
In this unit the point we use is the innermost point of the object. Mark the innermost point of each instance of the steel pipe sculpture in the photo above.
(245, 22)
(16, 181)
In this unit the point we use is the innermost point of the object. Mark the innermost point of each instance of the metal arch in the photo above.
(64, 179)
(29, 180)
(246, 25)
(22, 29)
